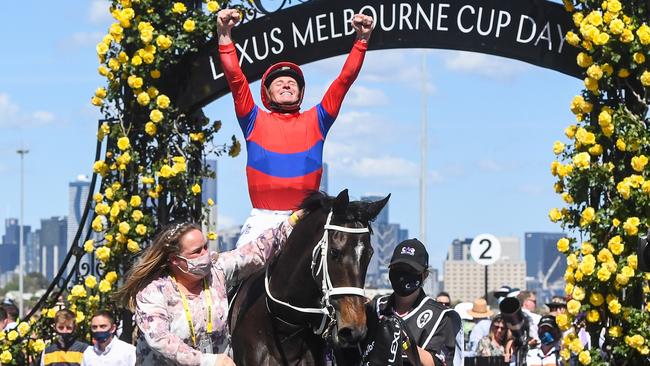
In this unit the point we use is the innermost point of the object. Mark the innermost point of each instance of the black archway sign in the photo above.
(527, 30)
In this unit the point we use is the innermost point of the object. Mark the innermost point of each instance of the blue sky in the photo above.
(492, 123)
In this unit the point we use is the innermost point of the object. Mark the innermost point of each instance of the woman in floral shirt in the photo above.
(178, 291)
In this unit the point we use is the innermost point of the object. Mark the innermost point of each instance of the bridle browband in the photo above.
(319, 263)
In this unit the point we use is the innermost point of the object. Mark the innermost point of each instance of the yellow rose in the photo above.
(163, 42)
(104, 286)
(179, 8)
(124, 227)
(595, 72)
(156, 115)
(621, 279)
(155, 74)
(97, 224)
(210, 202)
(103, 254)
(572, 38)
(587, 216)
(570, 131)
(111, 277)
(591, 84)
(5, 357)
(623, 73)
(137, 215)
(563, 321)
(584, 60)
(616, 245)
(133, 246)
(573, 306)
(555, 215)
(150, 128)
(123, 143)
(645, 78)
(603, 274)
(141, 229)
(189, 26)
(614, 306)
(593, 316)
(615, 331)
(616, 26)
(596, 299)
(162, 101)
(639, 162)
(136, 60)
(165, 171)
(631, 226)
(143, 99)
(196, 189)
(633, 261)
(563, 245)
(90, 281)
(89, 246)
(212, 235)
(643, 32)
(578, 293)
(584, 357)
(38, 346)
(78, 291)
(213, 6)
(558, 147)
(586, 248)
(582, 160)
(572, 261)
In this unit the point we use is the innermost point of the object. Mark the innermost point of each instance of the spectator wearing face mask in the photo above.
(108, 349)
(65, 350)
(547, 352)
(434, 327)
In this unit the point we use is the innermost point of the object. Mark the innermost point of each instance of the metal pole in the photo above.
(486, 284)
(21, 250)
(423, 152)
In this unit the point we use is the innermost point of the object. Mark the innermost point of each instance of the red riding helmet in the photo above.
(275, 71)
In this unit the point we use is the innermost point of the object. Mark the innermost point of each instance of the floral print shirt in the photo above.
(164, 337)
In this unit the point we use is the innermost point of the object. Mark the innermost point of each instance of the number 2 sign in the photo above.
(485, 249)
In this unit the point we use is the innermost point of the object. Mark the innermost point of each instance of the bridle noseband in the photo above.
(318, 264)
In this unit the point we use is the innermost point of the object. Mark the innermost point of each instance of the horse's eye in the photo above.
(335, 253)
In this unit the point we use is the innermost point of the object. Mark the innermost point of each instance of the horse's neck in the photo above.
(292, 281)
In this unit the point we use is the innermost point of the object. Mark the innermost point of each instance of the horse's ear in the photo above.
(374, 208)
(341, 202)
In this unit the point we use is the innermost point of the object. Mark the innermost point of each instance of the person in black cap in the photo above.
(547, 353)
(432, 326)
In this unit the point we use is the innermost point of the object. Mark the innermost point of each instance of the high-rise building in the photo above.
(209, 191)
(10, 246)
(465, 279)
(77, 196)
(545, 265)
(53, 245)
(324, 179)
(385, 237)
(228, 238)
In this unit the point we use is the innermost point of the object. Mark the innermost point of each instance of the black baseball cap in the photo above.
(411, 252)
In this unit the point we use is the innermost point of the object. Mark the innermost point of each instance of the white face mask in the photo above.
(199, 266)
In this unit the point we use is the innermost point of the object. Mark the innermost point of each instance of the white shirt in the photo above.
(535, 357)
(116, 353)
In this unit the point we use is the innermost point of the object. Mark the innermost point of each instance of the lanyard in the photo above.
(186, 307)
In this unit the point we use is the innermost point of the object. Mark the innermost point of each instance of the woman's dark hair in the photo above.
(499, 319)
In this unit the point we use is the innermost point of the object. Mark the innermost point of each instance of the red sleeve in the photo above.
(237, 82)
(334, 96)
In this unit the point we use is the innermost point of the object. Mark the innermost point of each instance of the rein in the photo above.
(319, 263)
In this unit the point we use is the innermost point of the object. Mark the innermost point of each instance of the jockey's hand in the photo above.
(227, 19)
(362, 24)
(224, 360)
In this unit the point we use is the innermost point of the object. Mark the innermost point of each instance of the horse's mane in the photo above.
(355, 211)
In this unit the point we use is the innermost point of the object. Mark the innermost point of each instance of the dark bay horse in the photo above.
(312, 292)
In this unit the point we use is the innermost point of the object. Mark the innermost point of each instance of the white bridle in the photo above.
(320, 252)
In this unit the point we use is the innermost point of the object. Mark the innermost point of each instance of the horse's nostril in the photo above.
(350, 335)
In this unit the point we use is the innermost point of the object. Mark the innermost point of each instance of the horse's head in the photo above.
(345, 245)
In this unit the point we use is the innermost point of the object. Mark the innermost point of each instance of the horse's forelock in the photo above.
(356, 210)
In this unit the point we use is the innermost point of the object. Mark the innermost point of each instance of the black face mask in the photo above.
(101, 336)
(404, 282)
(66, 338)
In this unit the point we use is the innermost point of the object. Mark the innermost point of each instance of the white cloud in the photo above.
(361, 96)
(394, 171)
(98, 12)
(532, 189)
(81, 40)
(493, 67)
(490, 165)
(12, 116)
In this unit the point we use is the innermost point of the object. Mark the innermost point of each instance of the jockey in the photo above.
(284, 145)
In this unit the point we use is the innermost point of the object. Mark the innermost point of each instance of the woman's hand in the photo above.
(224, 360)
(295, 217)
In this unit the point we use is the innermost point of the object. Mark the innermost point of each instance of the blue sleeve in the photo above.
(247, 122)
(325, 121)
